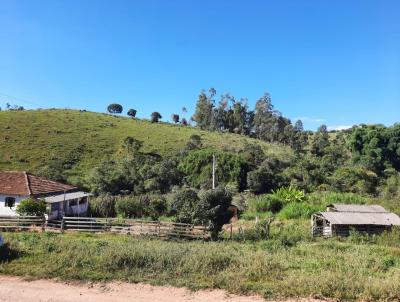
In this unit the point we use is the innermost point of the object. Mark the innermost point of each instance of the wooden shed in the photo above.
(339, 219)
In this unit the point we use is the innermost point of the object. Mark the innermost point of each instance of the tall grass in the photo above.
(344, 270)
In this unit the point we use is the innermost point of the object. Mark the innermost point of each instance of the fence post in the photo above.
(231, 230)
(43, 223)
(62, 225)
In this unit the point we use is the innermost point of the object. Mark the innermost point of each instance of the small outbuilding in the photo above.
(339, 219)
(62, 199)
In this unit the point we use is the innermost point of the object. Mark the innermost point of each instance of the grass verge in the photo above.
(357, 268)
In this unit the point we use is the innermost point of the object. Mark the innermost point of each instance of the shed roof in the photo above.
(360, 208)
(353, 218)
(24, 183)
(66, 196)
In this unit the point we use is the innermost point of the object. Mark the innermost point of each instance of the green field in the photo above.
(357, 268)
(30, 139)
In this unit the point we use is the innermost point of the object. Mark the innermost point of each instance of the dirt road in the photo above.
(13, 289)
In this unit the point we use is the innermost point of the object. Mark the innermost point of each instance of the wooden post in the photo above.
(231, 232)
(43, 223)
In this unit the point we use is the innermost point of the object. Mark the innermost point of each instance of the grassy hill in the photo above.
(30, 139)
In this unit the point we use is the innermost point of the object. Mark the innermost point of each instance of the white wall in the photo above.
(7, 211)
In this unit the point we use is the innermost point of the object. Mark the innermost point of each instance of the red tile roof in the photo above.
(23, 183)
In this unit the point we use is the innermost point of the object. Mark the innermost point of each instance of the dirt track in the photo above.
(13, 289)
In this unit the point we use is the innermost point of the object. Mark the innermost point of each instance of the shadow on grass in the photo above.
(7, 254)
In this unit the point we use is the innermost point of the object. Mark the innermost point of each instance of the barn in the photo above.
(62, 199)
(340, 219)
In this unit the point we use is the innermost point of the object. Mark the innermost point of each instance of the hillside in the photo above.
(30, 139)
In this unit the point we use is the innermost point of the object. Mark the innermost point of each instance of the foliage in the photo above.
(194, 142)
(212, 209)
(132, 206)
(31, 207)
(197, 166)
(175, 118)
(209, 207)
(114, 108)
(129, 207)
(132, 112)
(267, 177)
(155, 117)
(289, 194)
(102, 206)
(265, 203)
(299, 210)
(355, 179)
(376, 147)
(184, 201)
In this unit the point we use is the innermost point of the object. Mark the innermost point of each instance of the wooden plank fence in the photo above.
(105, 225)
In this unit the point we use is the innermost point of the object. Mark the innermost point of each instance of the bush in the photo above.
(131, 206)
(290, 194)
(265, 203)
(299, 210)
(184, 200)
(158, 207)
(102, 206)
(31, 207)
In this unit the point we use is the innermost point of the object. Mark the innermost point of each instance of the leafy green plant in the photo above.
(31, 207)
(290, 194)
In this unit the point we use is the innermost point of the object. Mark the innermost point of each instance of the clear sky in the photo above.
(333, 62)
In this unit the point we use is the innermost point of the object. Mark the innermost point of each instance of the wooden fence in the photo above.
(105, 225)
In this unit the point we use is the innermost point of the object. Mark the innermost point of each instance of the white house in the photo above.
(62, 199)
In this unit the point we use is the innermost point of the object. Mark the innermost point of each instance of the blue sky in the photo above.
(332, 62)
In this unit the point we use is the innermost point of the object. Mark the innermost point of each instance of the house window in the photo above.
(9, 202)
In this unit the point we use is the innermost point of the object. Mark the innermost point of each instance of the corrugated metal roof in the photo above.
(360, 208)
(353, 218)
(67, 196)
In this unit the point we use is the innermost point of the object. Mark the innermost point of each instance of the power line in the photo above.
(14, 98)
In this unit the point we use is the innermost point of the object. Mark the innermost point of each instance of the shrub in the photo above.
(31, 207)
(290, 194)
(267, 177)
(184, 200)
(130, 206)
(299, 210)
(102, 206)
(265, 203)
(212, 209)
(158, 207)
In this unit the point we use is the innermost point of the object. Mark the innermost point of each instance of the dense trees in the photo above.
(231, 115)
(376, 147)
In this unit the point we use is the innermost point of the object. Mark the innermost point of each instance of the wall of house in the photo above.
(7, 211)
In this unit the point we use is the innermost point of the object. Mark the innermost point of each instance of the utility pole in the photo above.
(214, 166)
